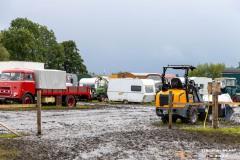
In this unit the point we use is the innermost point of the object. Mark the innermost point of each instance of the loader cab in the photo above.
(176, 82)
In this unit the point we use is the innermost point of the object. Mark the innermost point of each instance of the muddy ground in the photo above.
(112, 132)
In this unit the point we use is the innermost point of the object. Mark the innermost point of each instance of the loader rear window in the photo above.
(136, 88)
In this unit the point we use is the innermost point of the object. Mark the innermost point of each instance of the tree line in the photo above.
(28, 41)
(25, 40)
(208, 70)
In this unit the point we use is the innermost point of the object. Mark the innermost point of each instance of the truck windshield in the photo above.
(14, 76)
(231, 82)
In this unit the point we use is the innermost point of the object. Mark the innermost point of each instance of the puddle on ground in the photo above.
(221, 155)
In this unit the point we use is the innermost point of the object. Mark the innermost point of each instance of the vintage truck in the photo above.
(21, 85)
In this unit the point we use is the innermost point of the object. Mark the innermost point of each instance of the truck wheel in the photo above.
(192, 115)
(27, 99)
(70, 101)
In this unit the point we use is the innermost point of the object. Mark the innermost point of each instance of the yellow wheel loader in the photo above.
(183, 92)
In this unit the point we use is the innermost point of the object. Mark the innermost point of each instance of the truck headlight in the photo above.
(15, 94)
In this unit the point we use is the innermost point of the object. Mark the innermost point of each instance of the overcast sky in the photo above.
(138, 35)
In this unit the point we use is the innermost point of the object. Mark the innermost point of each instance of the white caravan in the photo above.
(131, 90)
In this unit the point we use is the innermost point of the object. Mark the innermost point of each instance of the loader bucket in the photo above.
(229, 113)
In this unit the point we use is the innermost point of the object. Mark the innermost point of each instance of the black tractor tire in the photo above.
(202, 116)
(27, 99)
(174, 119)
(165, 119)
(102, 98)
(70, 101)
(192, 115)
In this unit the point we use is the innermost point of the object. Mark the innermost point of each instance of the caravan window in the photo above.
(149, 89)
(201, 86)
(136, 88)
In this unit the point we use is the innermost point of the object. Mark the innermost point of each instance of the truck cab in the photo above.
(17, 85)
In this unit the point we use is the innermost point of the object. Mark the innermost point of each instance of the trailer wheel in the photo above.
(192, 115)
(70, 101)
(27, 99)
(236, 98)
(125, 101)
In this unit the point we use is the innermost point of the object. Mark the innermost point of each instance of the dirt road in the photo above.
(111, 132)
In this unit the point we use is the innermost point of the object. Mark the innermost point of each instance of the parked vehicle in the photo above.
(131, 90)
(21, 85)
(187, 93)
(230, 83)
(98, 86)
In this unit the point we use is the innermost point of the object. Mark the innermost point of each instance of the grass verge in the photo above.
(8, 136)
(225, 130)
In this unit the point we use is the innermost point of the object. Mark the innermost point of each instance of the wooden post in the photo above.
(170, 104)
(215, 104)
(39, 108)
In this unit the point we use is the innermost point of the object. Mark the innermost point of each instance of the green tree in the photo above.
(29, 41)
(52, 53)
(20, 44)
(208, 70)
(4, 55)
(73, 62)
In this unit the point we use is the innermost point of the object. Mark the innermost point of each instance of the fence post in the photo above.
(39, 108)
(215, 104)
(170, 104)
